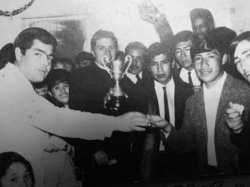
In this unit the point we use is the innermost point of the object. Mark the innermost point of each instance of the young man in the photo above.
(90, 85)
(240, 53)
(167, 95)
(212, 116)
(183, 43)
(202, 22)
(25, 116)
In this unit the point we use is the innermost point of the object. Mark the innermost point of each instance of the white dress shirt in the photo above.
(184, 76)
(211, 99)
(170, 88)
(132, 77)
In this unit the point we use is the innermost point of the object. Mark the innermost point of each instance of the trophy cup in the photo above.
(117, 69)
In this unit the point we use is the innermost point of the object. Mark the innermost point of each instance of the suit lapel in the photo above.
(224, 98)
(152, 97)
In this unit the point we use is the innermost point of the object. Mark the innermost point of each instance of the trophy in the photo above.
(117, 69)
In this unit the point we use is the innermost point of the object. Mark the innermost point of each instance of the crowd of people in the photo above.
(187, 111)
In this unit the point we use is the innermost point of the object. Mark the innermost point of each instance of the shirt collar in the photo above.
(218, 85)
(168, 85)
(132, 77)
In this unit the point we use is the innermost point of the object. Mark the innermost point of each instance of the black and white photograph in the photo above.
(133, 93)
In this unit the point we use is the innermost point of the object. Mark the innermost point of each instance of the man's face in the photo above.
(104, 47)
(161, 68)
(84, 63)
(200, 27)
(60, 92)
(138, 59)
(208, 66)
(182, 54)
(35, 64)
(242, 59)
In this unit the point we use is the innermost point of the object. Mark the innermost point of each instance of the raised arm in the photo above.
(151, 14)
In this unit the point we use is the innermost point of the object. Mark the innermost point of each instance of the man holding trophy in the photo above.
(89, 88)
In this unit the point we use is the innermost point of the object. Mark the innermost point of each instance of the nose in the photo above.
(22, 183)
(159, 67)
(204, 62)
(245, 64)
(183, 54)
(108, 53)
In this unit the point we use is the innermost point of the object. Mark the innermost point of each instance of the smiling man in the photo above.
(211, 119)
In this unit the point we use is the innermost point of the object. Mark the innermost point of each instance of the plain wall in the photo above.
(122, 17)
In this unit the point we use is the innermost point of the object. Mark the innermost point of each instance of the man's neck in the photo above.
(213, 83)
(190, 68)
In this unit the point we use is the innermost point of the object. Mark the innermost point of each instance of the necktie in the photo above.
(190, 79)
(138, 78)
(165, 103)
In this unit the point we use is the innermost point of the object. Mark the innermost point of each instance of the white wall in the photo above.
(121, 16)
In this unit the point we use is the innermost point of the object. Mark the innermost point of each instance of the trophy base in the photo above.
(117, 105)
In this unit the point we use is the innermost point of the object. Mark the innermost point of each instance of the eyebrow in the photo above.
(244, 52)
(42, 51)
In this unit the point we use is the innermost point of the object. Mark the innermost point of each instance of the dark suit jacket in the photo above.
(88, 87)
(193, 134)
(182, 92)
(136, 92)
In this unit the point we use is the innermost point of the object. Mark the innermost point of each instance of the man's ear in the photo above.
(49, 92)
(173, 64)
(18, 53)
(224, 59)
(93, 53)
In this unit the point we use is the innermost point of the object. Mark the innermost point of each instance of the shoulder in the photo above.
(237, 85)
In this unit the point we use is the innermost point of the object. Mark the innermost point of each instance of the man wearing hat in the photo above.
(213, 115)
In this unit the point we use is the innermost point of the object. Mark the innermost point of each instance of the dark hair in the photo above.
(25, 39)
(203, 13)
(157, 49)
(136, 45)
(84, 56)
(102, 34)
(8, 158)
(63, 60)
(237, 40)
(56, 76)
(183, 36)
(7, 55)
(218, 38)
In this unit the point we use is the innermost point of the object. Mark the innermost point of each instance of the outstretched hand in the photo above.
(132, 121)
(148, 11)
(160, 123)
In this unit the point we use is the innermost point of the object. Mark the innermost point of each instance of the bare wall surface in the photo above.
(122, 17)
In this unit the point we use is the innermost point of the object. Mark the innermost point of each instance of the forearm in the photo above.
(164, 30)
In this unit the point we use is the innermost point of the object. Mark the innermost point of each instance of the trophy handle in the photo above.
(105, 59)
(128, 59)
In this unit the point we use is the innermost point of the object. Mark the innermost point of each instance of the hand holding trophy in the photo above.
(117, 101)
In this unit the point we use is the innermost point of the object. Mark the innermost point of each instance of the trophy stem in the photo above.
(117, 89)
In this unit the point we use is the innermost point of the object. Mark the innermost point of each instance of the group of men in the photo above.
(199, 110)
